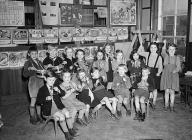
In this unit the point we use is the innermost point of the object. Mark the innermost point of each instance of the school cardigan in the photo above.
(46, 105)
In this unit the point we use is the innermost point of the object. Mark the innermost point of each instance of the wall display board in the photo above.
(103, 33)
(65, 34)
(5, 36)
(70, 14)
(78, 34)
(14, 59)
(4, 59)
(36, 36)
(112, 33)
(20, 36)
(51, 35)
(12, 13)
(122, 12)
(122, 33)
(22, 58)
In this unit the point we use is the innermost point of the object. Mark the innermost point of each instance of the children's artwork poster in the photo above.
(112, 33)
(103, 33)
(70, 14)
(5, 36)
(4, 59)
(93, 51)
(123, 12)
(88, 36)
(20, 36)
(122, 33)
(12, 13)
(65, 34)
(42, 55)
(14, 59)
(49, 11)
(78, 34)
(51, 35)
(22, 58)
(36, 36)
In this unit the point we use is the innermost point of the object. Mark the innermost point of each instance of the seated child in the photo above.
(50, 102)
(86, 95)
(121, 86)
(100, 91)
(68, 91)
(143, 86)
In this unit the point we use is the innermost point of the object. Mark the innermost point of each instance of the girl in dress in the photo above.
(119, 59)
(142, 88)
(121, 86)
(70, 61)
(81, 62)
(154, 61)
(109, 56)
(170, 76)
(68, 92)
(135, 66)
(31, 66)
(99, 90)
(100, 63)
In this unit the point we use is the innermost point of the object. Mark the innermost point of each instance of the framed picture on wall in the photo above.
(123, 12)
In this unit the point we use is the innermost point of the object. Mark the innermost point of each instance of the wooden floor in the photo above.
(159, 125)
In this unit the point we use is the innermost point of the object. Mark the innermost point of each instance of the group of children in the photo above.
(73, 90)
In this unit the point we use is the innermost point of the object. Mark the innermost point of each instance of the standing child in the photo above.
(99, 90)
(49, 99)
(31, 66)
(154, 61)
(69, 98)
(143, 86)
(170, 76)
(121, 86)
(108, 55)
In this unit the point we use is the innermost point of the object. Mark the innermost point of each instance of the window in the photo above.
(174, 20)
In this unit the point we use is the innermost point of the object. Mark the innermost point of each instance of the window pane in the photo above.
(182, 6)
(145, 3)
(169, 39)
(190, 35)
(168, 26)
(181, 25)
(181, 46)
(168, 7)
(145, 19)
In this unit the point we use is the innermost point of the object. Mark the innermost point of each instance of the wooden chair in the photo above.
(133, 109)
(55, 120)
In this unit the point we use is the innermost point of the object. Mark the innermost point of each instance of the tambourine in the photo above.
(40, 73)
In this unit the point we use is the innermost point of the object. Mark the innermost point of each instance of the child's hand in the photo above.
(56, 89)
(48, 98)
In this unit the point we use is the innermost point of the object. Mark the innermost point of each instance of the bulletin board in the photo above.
(12, 13)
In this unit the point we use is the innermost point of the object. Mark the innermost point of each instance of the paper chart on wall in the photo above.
(36, 36)
(14, 59)
(49, 11)
(12, 13)
(78, 34)
(65, 34)
(112, 33)
(103, 32)
(4, 59)
(20, 36)
(122, 33)
(5, 36)
(22, 58)
(88, 36)
(51, 35)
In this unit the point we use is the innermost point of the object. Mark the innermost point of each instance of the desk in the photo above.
(186, 89)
